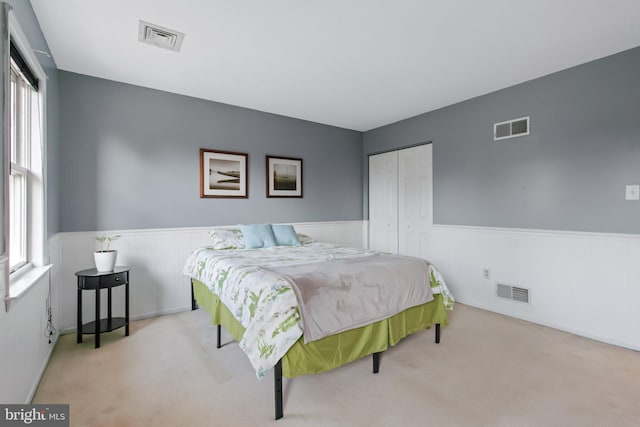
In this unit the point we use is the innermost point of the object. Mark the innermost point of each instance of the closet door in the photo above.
(383, 202)
(415, 199)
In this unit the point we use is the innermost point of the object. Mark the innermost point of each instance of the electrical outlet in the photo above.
(632, 192)
(486, 274)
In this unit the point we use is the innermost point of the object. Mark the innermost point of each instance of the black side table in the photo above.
(91, 279)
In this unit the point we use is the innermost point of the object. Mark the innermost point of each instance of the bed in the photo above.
(254, 293)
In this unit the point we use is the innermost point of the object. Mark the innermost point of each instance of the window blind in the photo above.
(23, 66)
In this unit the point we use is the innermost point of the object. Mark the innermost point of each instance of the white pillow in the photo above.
(304, 239)
(225, 238)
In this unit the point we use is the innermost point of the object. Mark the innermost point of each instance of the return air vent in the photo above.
(513, 293)
(160, 36)
(511, 128)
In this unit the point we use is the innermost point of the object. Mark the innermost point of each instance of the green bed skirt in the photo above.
(335, 350)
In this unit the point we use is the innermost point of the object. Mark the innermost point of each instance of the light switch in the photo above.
(632, 192)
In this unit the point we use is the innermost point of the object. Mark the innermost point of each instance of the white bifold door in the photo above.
(415, 200)
(383, 202)
(401, 200)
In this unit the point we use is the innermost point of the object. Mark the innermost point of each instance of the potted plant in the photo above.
(105, 258)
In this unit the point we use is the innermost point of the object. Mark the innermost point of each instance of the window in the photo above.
(19, 176)
(23, 234)
(24, 152)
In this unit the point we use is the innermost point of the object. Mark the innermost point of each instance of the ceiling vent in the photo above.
(513, 293)
(511, 128)
(160, 36)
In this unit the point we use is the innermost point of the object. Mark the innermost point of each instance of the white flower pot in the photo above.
(105, 260)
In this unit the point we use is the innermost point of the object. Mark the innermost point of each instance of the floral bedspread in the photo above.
(263, 301)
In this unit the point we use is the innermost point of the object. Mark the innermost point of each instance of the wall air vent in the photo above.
(511, 128)
(513, 293)
(160, 36)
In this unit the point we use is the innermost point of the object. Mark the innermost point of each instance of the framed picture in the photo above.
(223, 174)
(284, 177)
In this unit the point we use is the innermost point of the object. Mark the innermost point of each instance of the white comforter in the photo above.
(263, 301)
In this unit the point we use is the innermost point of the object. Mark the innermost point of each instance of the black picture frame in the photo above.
(284, 177)
(223, 174)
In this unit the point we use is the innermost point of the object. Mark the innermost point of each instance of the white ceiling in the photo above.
(357, 64)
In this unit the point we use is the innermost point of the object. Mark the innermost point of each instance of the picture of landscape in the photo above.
(284, 177)
(224, 174)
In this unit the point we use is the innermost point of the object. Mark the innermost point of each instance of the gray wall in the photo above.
(53, 152)
(129, 158)
(569, 174)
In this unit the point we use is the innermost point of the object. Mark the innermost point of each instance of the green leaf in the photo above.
(265, 349)
(287, 323)
(254, 303)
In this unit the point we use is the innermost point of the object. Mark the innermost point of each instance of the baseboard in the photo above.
(559, 327)
(43, 369)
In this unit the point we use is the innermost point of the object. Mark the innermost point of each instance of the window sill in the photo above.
(22, 280)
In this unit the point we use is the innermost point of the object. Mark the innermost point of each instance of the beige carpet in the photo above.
(489, 370)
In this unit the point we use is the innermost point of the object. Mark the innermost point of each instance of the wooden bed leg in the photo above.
(277, 382)
(218, 345)
(194, 304)
(437, 333)
(376, 362)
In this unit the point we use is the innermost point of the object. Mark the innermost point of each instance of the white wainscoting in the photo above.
(156, 258)
(25, 350)
(584, 283)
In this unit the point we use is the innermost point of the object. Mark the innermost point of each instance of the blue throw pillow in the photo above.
(258, 236)
(285, 235)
